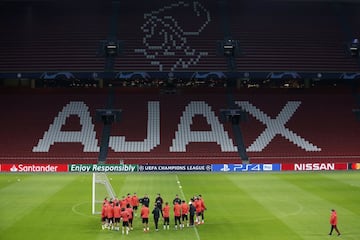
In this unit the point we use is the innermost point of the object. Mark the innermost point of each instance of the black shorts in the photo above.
(117, 220)
(166, 219)
(184, 217)
(110, 220)
(125, 224)
(198, 214)
(135, 207)
(130, 220)
(145, 220)
(103, 219)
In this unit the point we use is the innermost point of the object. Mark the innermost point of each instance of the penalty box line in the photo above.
(183, 196)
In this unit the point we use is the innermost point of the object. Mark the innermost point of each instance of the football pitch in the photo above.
(239, 205)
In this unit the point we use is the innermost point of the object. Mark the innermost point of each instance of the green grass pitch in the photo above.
(266, 206)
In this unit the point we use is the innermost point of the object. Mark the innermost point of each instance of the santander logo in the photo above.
(13, 169)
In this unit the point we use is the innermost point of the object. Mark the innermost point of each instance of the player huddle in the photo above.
(116, 211)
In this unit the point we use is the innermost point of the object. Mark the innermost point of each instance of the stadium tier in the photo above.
(52, 36)
(178, 35)
(42, 126)
(291, 35)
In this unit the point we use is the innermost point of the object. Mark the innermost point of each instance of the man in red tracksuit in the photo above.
(333, 222)
(166, 215)
(177, 215)
(145, 217)
(125, 218)
(109, 216)
(203, 208)
(184, 213)
(103, 215)
(117, 216)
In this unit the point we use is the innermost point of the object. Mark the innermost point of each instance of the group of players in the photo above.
(114, 211)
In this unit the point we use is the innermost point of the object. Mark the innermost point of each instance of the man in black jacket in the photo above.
(156, 213)
(177, 200)
(159, 202)
(145, 200)
(192, 211)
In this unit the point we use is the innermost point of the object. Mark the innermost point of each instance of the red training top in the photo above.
(184, 208)
(166, 211)
(177, 210)
(125, 216)
(333, 218)
(134, 201)
(130, 211)
(103, 211)
(145, 212)
(123, 203)
(198, 206)
(117, 211)
(109, 211)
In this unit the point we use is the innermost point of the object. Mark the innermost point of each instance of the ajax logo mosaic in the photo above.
(168, 34)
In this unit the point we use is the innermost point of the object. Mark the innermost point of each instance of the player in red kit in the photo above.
(177, 214)
(135, 203)
(125, 218)
(198, 206)
(103, 215)
(145, 217)
(131, 215)
(123, 202)
(128, 199)
(117, 216)
(166, 216)
(203, 208)
(109, 216)
(184, 213)
(333, 222)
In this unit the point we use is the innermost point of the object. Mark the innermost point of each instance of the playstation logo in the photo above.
(225, 168)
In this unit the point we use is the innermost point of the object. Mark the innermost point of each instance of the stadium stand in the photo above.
(297, 36)
(177, 36)
(292, 122)
(53, 36)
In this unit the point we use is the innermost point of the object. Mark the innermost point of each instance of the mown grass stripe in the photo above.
(21, 197)
(282, 198)
(186, 199)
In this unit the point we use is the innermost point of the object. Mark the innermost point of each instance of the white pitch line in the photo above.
(74, 210)
(183, 195)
